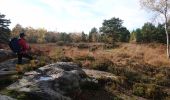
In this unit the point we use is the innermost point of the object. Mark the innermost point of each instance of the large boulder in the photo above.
(4, 97)
(52, 82)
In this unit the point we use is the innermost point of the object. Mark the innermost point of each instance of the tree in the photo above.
(160, 7)
(124, 35)
(83, 37)
(113, 28)
(16, 30)
(93, 35)
(148, 32)
(136, 36)
(4, 30)
(160, 34)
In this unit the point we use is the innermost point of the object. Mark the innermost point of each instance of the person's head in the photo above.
(22, 34)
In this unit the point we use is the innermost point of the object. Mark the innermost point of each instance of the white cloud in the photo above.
(72, 15)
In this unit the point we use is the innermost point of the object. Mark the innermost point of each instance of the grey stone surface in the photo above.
(52, 82)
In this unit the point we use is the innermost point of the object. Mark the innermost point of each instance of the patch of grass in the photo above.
(149, 91)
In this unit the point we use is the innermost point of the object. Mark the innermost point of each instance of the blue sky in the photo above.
(72, 15)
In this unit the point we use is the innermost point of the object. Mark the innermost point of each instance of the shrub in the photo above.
(162, 79)
(64, 59)
(129, 73)
(60, 43)
(139, 89)
(87, 57)
(82, 46)
(94, 48)
(101, 64)
(149, 91)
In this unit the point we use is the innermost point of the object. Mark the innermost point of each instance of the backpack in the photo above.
(14, 45)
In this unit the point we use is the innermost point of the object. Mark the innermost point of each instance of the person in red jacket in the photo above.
(25, 48)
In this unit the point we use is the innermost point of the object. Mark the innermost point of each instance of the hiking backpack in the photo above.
(14, 45)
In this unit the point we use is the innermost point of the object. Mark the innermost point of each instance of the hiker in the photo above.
(25, 48)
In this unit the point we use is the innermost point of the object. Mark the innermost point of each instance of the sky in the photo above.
(72, 15)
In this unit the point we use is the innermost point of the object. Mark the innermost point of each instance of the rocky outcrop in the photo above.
(4, 97)
(8, 67)
(6, 54)
(52, 82)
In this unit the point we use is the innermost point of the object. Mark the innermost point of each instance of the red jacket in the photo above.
(24, 46)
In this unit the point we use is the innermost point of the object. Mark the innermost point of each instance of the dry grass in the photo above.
(152, 54)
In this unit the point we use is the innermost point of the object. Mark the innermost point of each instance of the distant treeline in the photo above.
(111, 31)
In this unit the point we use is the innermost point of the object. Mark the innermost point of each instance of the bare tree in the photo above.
(160, 7)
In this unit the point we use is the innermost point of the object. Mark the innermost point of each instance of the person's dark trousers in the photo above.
(20, 55)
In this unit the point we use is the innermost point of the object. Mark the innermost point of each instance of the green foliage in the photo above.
(4, 30)
(93, 35)
(64, 37)
(113, 28)
(149, 33)
(83, 37)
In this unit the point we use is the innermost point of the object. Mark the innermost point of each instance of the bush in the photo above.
(149, 91)
(82, 46)
(101, 64)
(129, 73)
(60, 43)
(139, 89)
(162, 79)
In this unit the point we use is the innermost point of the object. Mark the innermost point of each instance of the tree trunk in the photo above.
(167, 37)
(166, 28)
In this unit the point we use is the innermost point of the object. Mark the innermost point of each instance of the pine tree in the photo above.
(4, 30)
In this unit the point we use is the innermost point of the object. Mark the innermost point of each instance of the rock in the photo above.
(9, 65)
(8, 68)
(52, 82)
(6, 73)
(95, 74)
(4, 97)
(99, 74)
(6, 54)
